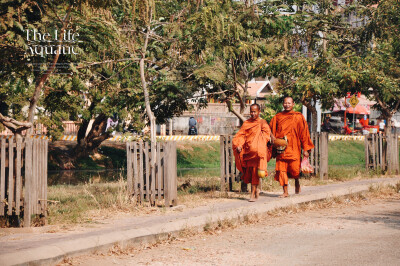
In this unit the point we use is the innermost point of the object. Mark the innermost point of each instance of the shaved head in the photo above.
(256, 104)
(287, 98)
(255, 111)
(288, 104)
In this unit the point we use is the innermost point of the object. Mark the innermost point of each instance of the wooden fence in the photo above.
(319, 155)
(229, 173)
(382, 152)
(151, 184)
(23, 177)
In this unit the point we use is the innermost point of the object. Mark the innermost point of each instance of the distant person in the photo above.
(192, 126)
(364, 121)
(112, 122)
(250, 150)
(292, 126)
(381, 125)
(326, 126)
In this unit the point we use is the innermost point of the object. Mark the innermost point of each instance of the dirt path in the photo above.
(360, 234)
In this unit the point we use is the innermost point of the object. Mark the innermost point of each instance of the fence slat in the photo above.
(36, 177)
(28, 183)
(46, 146)
(222, 161)
(373, 151)
(135, 169)
(312, 161)
(140, 180)
(2, 176)
(381, 162)
(153, 174)
(40, 178)
(231, 164)
(323, 167)
(129, 172)
(170, 175)
(226, 176)
(396, 136)
(159, 171)
(147, 168)
(18, 185)
(366, 152)
(10, 175)
(317, 151)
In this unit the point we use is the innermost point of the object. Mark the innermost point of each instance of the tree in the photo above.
(311, 68)
(377, 62)
(229, 41)
(28, 70)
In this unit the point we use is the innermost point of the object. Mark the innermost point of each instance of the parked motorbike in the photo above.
(192, 130)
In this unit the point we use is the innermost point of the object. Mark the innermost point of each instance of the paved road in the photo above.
(365, 233)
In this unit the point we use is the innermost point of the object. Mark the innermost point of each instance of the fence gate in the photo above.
(23, 177)
(319, 155)
(382, 152)
(153, 184)
(228, 172)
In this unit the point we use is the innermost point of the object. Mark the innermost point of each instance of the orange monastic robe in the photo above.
(294, 126)
(253, 137)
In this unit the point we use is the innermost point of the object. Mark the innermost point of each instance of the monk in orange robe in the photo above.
(294, 126)
(250, 150)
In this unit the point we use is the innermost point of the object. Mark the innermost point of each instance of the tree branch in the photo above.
(14, 125)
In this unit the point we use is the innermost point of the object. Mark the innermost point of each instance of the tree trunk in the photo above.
(88, 144)
(150, 114)
(314, 115)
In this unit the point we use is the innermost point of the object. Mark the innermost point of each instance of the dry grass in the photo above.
(93, 202)
(89, 203)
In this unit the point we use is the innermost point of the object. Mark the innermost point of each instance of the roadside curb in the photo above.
(165, 226)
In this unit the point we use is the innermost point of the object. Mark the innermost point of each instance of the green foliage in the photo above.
(274, 105)
(377, 66)
(308, 70)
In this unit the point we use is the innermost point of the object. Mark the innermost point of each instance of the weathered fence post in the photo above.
(366, 149)
(28, 182)
(2, 176)
(319, 155)
(228, 171)
(151, 184)
(323, 150)
(392, 153)
(222, 161)
(382, 152)
(170, 174)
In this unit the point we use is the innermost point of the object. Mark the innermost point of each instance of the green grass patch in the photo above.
(198, 155)
(346, 152)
